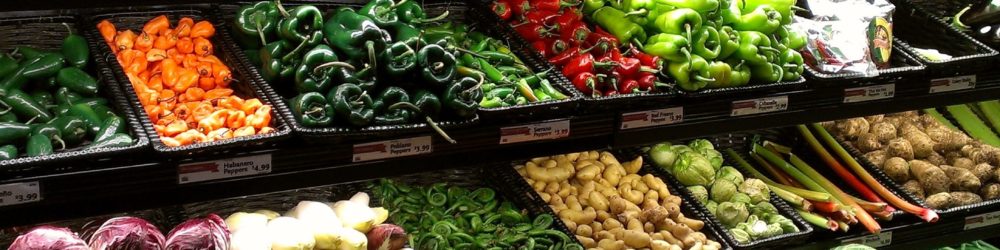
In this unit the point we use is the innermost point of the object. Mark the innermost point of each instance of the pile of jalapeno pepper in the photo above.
(591, 59)
(50, 103)
(506, 80)
(369, 66)
(451, 217)
(709, 43)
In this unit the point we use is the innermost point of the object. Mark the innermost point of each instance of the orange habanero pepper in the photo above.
(203, 29)
(244, 131)
(184, 27)
(222, 75)
(251, 105)
(190, 136)
(144, 42)
(170, 72)
(261, 118)
(231, 102)
(265, 130)
(174, 128)
(218, 93)
(108, 31)
(206, 83)
(194, 94)
(166, 41)
(236, 119)
(202, 47)
(220, 134)
(200, 110)
(157, 25)
(125, 40)
(187, 79)
(185, 45)
(155, 55)
(214, 121)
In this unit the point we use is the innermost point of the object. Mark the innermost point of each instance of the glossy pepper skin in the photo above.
(258, 22)
(410, 12)
(437, 65)
(73, 129)
(679, 22)
(38, 145)
(753, 44)
(76, 80)
(47, 66)
(273, 68)
(586, 83)
(312, 109)
(316, 71)
(75, 50)
(722, 72)
(501, 9)
(691, 75)
(767, 73)
(784, 7)
(13, 131)
(303, 23)
(8, 152)
(89, 116)
(115, 140)
(462, 97)
(355, 35)
(8, 65)
(616, 22)
(702, 6)
(387, 98)
(112, 125)
(49, 131)
(764, 19)
(729, 11)
(400, 61)
(730, 41)
(382, 12)
(791, 38)
(707, 43)
(668, 46)
(25, 107)
(590, 6)
(792, 64)
(351, 104)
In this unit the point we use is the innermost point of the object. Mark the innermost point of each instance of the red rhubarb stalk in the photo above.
(826, 207)
(839, 195)
(844, 174)
(924, 213)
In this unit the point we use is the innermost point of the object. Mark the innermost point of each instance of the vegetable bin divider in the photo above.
(916, 28)
(46, 30)
(135, 18)
(783, 240)
(515, 181)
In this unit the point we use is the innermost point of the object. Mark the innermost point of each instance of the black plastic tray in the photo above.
(903, 68)
(516, 182)
(134, 18)
(46, 31)
(915, 27)
(784, 240)
(959, 211)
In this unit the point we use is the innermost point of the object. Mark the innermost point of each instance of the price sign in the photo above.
(19, 193)
(953, 83)
(869, 93)
(650, 118)
(875, 240)
(982, 220)
(222, 169)
(392, 148)
(534, 132)
(760, 105)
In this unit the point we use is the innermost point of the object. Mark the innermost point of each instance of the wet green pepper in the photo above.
(116, 140)
(112, 125)
(76, 80)
(352, 104)
(463, 96)
(312, 109)
(8, 152)
(75, 50)
(25, 107)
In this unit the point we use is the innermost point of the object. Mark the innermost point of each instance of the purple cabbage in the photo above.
(126, 233)
(208, 233)
(48, 238)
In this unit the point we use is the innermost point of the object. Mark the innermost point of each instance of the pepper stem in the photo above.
(475, 87)
(636, 12)
(437, 66)
(704, 79)
(473, 53)
(430, 122)
(768, 49)
(260, 30)
(321, 67)
(281, 9)
(8, 108)
(397, 4)
(62, 144)
(434, 19)
(371, 53)
(68, 29)
(362, 95)
(297, 49)
(637, 43)
(30, 120)
(687, 26)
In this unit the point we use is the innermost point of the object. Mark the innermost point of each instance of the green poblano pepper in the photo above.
(787, 226)
(741, 198)
(700, 193)
(723, 190)
(693, 169)
(729, 173)
(756, 189)
(732, 213)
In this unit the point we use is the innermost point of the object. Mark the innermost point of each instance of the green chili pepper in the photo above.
(13, 131)
(767, 72)
(355, 35)
(312, 109)
(116, 140)
(752, 46)
(352, 104)
(43, 97)
(682, 21)
(38, 145)
(721, 72)
(668, 46)
(8, 65)
(437, 65)
(390, 96)
(112, 125)
(8, 117)
(104, 112)
(763, 18)
(303, 23)
(77, 81)
(73, 129)
(66, 96)
(552, 91)
(730, 41)
(75, 49)
(8, 152)
(24, 106)
(315, 72)
(691, 75)
(792, 64)
(258, 22)
(47, 66)
(90, 118)
(50, 131)
(401, 61)
(707, 43)
(702, 6)
(617, 23)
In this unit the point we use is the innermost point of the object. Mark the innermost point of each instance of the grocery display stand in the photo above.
(148, 180)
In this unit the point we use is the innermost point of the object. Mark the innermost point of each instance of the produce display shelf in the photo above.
(913, 235)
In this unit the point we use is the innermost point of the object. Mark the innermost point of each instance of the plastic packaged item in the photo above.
(858, 41)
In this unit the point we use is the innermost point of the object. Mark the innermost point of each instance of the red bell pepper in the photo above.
(545, 17)
(553, 5)
(575, 33)
(532, 31)
(519, 7)
(502, 9)
(628, 86)
(586, 83)
(542, 46)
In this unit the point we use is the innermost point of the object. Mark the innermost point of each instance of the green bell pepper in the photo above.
(303, 23)
(315, 72)
(401, 61)
(8, 152)
(356, 35)
(707, 43)
(75, 50)
(752, 46)
(382, 12)
(312, 109)
(617, 23)
(462, 97)
(730, 39)
(76, 80)
(259, 20)
(38, 145)
(389, 97)
(668, 46)
(701, 6)
(764, 19)
(351, 104)
(437, 65)
(690, 75)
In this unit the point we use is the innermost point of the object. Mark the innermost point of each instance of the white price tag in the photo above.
(222, 169)
(19, 193)
(650, 118)
(392, 148)
(760, 105)
(534, 132)
(874, 240)
(869, 93)
(953, 83)
(982, 220)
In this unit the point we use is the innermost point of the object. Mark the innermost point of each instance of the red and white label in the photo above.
(651, 118)
(535, 132)
(869, 93)
(874, 240)
(392, 148)
(953, 83)
(20, 193)
(982, 220)
(222, 169)
(760, 105)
